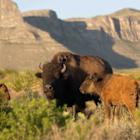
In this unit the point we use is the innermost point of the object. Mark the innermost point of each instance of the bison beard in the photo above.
(67, 93)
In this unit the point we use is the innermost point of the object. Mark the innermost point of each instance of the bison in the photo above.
(4, 92)
(59, 85)
(114, 90)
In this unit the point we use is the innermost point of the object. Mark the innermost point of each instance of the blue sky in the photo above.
(78, 8)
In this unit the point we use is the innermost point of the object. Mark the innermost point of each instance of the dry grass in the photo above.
(132, 72)
(89, 130)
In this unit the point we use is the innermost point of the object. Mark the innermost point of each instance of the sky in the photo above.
(78, 8)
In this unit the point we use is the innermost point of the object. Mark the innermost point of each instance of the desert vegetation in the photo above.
(28, 38)
(31, 116)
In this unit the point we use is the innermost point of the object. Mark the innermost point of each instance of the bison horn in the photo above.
(40, 66)
(63, 69)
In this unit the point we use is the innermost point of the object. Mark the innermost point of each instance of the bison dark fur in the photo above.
(60, 86)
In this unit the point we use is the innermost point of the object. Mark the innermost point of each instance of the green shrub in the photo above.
(29, 118)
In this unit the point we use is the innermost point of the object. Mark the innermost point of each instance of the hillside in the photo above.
(22, 46)
(113, 37)
(37, 35)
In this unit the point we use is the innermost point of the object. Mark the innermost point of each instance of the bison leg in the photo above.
(74, 108)
(130, 103)
(131, 108)
(116, 114)
(107, 109)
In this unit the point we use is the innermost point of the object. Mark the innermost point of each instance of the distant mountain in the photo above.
(126, 12)
(35, 36)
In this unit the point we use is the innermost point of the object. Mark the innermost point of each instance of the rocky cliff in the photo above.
(36, 36)
(22, 46)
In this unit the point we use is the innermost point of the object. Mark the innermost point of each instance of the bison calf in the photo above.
(114, 90)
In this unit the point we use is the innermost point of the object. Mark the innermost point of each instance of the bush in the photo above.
(29, 118)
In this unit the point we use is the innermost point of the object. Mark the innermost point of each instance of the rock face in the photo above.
(114, 37)
(35, 36)
(21, 45)
(125, 28)
(10, 16)
(12, 27)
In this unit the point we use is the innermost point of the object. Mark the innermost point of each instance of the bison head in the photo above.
(51, 75)
(89, 84)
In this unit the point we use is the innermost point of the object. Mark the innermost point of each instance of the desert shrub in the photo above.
(29, 118)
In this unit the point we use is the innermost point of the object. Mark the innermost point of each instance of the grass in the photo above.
(18, 80)
(32, 117)
(132, 72)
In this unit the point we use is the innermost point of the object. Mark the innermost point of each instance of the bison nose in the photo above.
(50, 96)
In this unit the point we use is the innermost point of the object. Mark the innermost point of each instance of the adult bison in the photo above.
(59, 85)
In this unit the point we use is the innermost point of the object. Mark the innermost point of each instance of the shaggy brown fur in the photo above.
(81, 66)
(4, 92)
(114, 90)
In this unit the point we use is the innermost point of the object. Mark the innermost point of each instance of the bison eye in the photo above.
(49, 87)
(65, 59)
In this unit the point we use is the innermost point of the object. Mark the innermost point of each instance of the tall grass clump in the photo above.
(18, 80)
